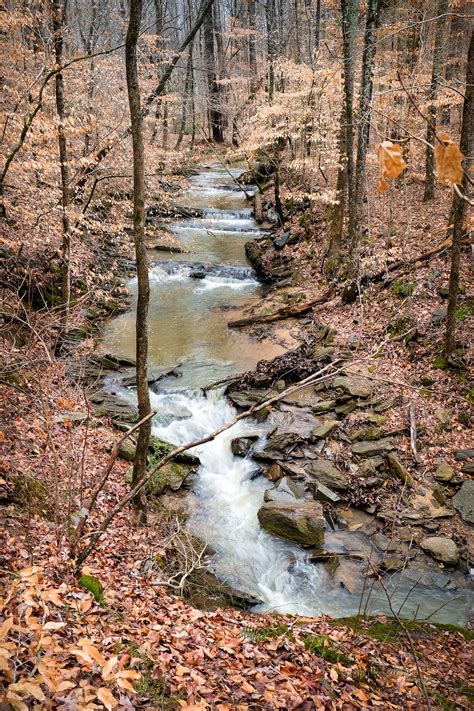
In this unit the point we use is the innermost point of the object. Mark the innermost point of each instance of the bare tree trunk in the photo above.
(58, 20)
(365, 102)
(136, 119)
(456, 30)
(333, 257)
(435, 77)
(187, 88)
(349, 9)
(271, 49)
(252, 45)
(317, 26)
(459, 204)
(216, 119)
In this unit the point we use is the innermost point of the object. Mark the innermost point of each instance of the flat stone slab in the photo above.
(326, 473)
(372, 448)
(442, 549)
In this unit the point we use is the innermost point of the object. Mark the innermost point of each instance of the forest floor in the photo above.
(129, 642)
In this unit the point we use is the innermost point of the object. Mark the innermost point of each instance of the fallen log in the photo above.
(351, 289)
(283, 313)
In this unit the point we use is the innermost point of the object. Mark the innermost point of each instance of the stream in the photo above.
(191, 295)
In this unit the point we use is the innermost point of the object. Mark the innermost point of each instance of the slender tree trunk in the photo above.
(333, 257)
(452, 64)
(58, 20)
(365, 111)
(216, 120)
(252, 46)
(349, 9)
(441, 8)
(459, 209)
(271, 48)
(317, 26)
(136, 119)
(187, 89)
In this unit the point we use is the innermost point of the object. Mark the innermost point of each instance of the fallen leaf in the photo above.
(107, 698)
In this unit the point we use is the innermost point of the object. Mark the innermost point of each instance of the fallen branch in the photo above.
(280, 314)
(412, 419)
(87, 509)
(317, 377)
(351, 289)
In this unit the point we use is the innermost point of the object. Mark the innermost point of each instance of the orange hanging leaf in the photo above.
(391, 163)
(449, 160)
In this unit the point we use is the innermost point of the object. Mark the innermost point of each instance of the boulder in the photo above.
(301, 522)
(247, 398)
(444, 472)
(323, 431)
(370, 449)
(326, 473)
(127, 451)
(357, 387)
(463, 501)
(442, 549)
(241, 446)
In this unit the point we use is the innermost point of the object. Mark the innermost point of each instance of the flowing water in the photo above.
(190, 297)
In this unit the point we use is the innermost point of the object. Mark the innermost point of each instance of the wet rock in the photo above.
(326, 473)
(247, 398)
(357, 387)
(278, 447)
(369, 449)
(159, 448)
(323, 431)
(444, 472)
(462, 454)
(241, 446)
(301, 522)
(396, 467)
(443, 549)
(324, 493)
(286, 490)
(463, 501)
(383, 543)
(323, 406)
(274, 472)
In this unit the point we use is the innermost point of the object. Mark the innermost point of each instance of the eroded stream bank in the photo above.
(300, 464)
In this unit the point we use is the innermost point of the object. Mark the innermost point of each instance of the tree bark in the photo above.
(252, 46)
(58, 21)
(271, 48)
(216, 119)
(365, 101)
(441, 8)
(136, 120)
(349, 9)
(187, 89)
(459, 208)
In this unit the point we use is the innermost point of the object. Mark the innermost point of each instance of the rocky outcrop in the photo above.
(301, 522)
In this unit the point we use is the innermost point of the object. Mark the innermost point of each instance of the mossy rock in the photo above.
(31, 493)
(394, 631)
(170, 476)
(159, 448)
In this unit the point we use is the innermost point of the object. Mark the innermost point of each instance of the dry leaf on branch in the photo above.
(391, 163)
(449, 160)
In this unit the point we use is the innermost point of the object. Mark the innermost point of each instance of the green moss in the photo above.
(393, 631)
(260, 634)
(153, 684)
(94, 586)
(322, 647)
(402, 289)
(398, 326)
(427, 380)
(470, 396)
(441, 362)
(464, 310)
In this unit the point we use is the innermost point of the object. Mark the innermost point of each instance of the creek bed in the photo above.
(191, 294)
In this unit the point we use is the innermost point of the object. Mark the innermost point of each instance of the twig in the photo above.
(412, 419)
(86, 510)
